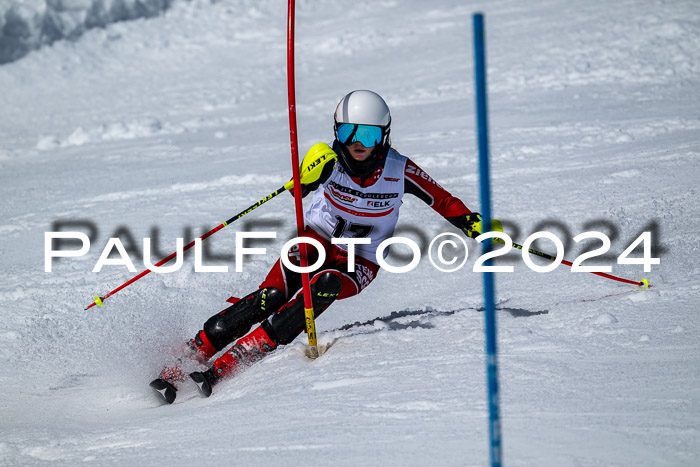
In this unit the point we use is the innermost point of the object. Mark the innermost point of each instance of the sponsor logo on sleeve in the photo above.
(413, 170)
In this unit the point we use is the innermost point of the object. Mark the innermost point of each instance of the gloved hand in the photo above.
(315, 168)
(472, 226)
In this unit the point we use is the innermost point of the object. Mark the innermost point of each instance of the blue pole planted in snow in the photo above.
(485, 191)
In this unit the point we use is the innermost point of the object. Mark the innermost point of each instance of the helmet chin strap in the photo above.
(361, 169)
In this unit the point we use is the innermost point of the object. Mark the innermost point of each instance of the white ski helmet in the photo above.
(362, 116)
(363, 107)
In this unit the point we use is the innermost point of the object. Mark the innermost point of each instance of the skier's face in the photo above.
(359, 152)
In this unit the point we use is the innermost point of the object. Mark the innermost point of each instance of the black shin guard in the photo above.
(236, 320)
(286, 325)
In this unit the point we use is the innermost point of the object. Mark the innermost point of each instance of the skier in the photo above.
(358, 196)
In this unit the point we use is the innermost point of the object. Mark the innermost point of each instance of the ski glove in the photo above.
(316, 168)
(311, 187)
(471, 225)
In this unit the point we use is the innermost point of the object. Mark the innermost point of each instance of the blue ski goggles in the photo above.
(367, 135)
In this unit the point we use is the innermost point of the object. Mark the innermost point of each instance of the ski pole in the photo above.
(100, 300)
(311, 169)
(643, 283)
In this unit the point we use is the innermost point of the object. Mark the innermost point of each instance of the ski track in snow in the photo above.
(178, 122)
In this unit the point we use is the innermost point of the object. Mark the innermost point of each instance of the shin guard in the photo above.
(236, 320)
(290, 321)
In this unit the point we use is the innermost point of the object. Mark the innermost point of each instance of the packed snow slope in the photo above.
(162, 127)
(26, 25)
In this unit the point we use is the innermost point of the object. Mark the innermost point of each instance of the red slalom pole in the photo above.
(308, 304)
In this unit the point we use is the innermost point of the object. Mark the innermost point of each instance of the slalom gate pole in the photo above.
(643, 283)
(305, 280)
(100, 300)
(489, 292)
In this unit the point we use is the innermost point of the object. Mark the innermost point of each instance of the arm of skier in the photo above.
(420, 184)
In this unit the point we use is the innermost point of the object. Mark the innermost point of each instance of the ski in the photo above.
(164, 390)
(202, 383)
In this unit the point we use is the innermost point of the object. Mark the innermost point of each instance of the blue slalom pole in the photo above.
(485, 191)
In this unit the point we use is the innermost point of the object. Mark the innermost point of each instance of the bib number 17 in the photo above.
(357, 230)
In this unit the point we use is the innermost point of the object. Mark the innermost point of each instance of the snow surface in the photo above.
(26, 25)
(180, 121)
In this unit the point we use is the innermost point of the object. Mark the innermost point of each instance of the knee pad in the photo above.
(326, 287)
(236, 320)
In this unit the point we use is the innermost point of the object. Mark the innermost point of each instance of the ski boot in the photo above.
(245, 352)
